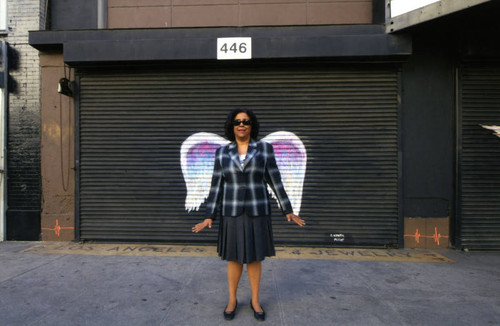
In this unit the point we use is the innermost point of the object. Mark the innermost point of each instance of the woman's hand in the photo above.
(200, 226)
(292, 217)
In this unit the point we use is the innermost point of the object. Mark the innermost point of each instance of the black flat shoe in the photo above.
(229, 315)
(260, 316)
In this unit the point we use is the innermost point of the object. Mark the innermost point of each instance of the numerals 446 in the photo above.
(234, 47)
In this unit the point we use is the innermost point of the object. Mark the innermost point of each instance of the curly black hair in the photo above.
(229, 128)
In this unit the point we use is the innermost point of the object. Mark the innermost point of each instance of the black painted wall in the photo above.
(73, 14)
(429, 105)
(428, 128)
(378, 11)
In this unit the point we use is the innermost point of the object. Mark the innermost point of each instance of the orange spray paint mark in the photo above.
(57, 228)
(417, 236)
(436, 236)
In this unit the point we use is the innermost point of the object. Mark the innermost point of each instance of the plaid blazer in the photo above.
(238, 188)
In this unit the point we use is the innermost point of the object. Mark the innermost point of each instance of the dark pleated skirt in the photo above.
(245, 239)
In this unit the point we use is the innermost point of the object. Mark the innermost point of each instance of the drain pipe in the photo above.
(102, 14)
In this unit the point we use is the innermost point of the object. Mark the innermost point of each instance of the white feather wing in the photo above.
(197, 163)
(291, 158)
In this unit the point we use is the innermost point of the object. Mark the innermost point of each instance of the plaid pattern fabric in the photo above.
(238, 188)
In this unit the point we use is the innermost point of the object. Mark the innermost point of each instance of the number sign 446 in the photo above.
(234, 48)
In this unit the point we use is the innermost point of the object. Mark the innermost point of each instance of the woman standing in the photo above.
(242, 170)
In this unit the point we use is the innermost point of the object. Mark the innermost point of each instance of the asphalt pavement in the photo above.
(64, 288)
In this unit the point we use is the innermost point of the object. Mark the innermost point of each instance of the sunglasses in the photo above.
(246, 122)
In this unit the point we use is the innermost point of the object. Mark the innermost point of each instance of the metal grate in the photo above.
(132, 125)
(479, 160)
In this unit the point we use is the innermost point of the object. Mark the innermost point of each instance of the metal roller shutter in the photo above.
(132, 125)
(479, 158)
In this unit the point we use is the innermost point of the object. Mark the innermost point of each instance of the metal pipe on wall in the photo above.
(102, 14)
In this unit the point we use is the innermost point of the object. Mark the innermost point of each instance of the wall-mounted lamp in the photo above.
(66, 87)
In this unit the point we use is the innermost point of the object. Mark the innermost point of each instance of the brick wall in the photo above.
(23, 143)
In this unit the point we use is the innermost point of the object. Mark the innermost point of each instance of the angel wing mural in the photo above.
(496, 129)
(197, 163)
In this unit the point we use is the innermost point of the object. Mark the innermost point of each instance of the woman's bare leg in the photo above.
(254, 272)
(234, 270)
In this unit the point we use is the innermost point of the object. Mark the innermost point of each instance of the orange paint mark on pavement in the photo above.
(57, 228)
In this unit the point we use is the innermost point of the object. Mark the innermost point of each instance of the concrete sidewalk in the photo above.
(82, 289)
